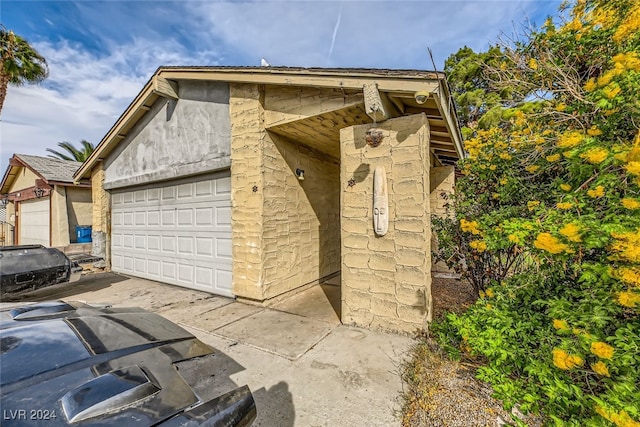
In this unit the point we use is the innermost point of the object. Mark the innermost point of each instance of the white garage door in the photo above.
(34, 222)
(177, 232)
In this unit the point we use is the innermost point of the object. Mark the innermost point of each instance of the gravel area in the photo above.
(440, 392)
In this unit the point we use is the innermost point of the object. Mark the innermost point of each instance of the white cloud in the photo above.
(391, 34)
(90, 85)
(84, 94)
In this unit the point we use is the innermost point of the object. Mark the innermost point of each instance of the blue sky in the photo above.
(101, 53)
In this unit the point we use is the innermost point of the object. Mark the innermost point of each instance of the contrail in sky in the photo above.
(335, 31)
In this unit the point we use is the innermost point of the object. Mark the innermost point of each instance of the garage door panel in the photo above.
(34, 222)
(178, 232)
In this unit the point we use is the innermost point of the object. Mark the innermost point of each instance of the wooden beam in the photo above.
(397, 102)
(376, 104)
(443, 101)
(447, 148)
(165, 88)
(345, 80)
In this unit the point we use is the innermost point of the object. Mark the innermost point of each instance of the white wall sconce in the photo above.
(300, 174)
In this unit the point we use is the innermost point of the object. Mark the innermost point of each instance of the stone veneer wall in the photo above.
(386, 281)
(285, 233)
(301, 218)
(101, 216)
(247, 206)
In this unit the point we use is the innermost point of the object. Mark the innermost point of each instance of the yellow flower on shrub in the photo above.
(626, 246)
(505, 156)
(478, 245)
(572, 232)
(469, 226)
(532, 204)
(547, 242)
(561, 107)
(532, 168)
(564, 360)
(565, 187)
(601, 369)
(628, 299)
(620, 419)
(596, 192)
(629, 26)
(633, 168)
(602, 350)
(570, 139)
(560, 324)
(629, 275)
(553, 158)
(611, 91)
(514, 239)
(564, 205)
(590, 85)
(489, 293)
(594, 131)
(533, 64)
(595, 155)
(631, 204)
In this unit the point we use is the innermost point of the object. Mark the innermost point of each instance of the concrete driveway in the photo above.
(303, 367)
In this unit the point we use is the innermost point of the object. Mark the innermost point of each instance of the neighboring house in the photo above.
(44, 205)
(255, 182)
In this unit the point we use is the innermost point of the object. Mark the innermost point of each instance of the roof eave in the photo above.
(410, 82)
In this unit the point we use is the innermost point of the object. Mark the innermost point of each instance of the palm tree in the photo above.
(21, 63)
(75, 154)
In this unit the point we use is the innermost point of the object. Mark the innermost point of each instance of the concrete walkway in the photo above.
(303, 367)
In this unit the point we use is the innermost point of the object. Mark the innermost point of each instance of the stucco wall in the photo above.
(386, 281)
(175, 138)
(59, 217)
(79, 209)
(25, 179)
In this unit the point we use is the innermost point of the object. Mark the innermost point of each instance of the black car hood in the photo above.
(70, 363)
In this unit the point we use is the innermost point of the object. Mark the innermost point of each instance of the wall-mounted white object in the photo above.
(380, 201)
(300, 174)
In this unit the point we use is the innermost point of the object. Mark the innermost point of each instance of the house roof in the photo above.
(52, 171)
(398, 83)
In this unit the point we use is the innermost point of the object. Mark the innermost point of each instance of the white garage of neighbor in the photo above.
(34, 222)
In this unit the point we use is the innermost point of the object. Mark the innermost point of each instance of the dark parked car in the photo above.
(74, 364)
(30, 267)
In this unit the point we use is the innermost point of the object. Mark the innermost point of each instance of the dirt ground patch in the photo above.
(441, 392)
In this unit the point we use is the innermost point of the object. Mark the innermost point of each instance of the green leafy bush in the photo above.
(555, 189)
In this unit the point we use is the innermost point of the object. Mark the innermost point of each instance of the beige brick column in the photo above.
(386, 281)
(101, 216)
(247, 189)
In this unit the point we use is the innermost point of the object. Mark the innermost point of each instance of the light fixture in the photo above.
(300, 174)
(421, 96)
(39, 192)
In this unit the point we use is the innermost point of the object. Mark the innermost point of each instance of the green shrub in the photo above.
(554, 189)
